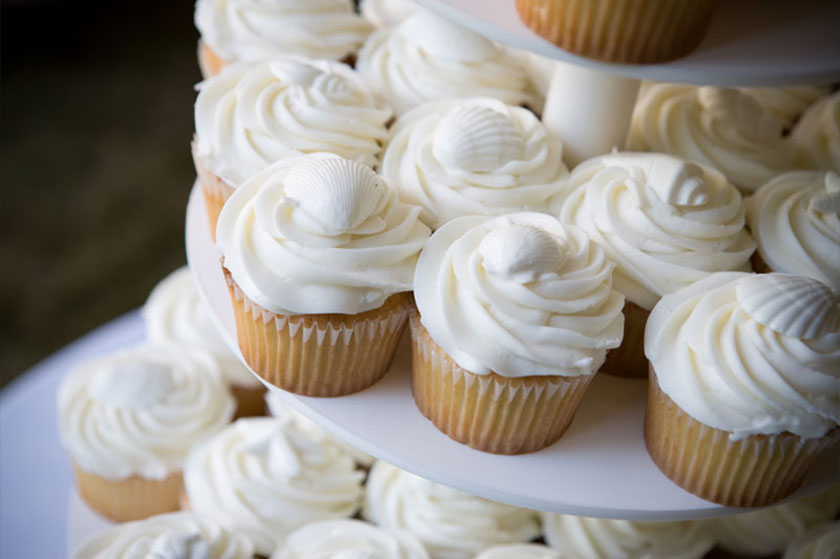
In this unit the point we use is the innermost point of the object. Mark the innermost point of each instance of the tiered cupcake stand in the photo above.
(600, 467)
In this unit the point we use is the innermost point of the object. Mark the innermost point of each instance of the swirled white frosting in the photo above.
(259, 29)
(723, 128)
(139, 410)
(817, 135)
(350, 539)
(518, 295)
(319, 234)
(251, 115)
(664, 221)
(174, 313)
(428, 58)
(473, 156)
(787, 103)
(264, 478)
(769, 531)
(750, 353)
(820, 542)
(284, 412)
(176, 535)
(796, 220)
(519, 551)
(386, 12)
(450, 523)
(580, 537)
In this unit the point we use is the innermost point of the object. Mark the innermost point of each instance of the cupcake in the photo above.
(628, 31)
(319, 254)
(248, 30)
(794, 218)
(787, 103)
(580, 537)
(820, 542)
(519, 551)
(450, 523)
(769, 531)
(817, 135)
(745, 392)
(284, 412)
(386, 12)
(473, 156)
(252, 115)
(128, 419)
(173, 535)
(265, 478)
(723, 128)
(665, 222)
(428, 58)
(174, 313)
(344, 539)
(516, 314)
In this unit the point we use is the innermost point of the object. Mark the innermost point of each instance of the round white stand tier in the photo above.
(598, 468)
(749, 43)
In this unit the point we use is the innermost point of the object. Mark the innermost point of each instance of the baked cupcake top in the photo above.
(473, 156)
(396, 499)
(176, 535)
(139, 410)
(787, 103)
(817, 135)
(820, 542)
(253, 114)
(259, 29)
(666, 222)
(769, 531)
(386, 12)
(319, 234)
(519, 551)
(518, 295)
(720, 127)
(264, 478)
(795, 220)
(174, 313)
(428, 58)
(580, 537)
(750, 353)
(347, 539)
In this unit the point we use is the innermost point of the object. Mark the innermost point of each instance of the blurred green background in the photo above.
(94, 137)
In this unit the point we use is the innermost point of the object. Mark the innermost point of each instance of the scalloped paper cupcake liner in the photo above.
(133, 498)
(215, 191)
(321, 355)
(490, 412)
(628, 360)
(755, 471)
(209, 62)
(628, 31)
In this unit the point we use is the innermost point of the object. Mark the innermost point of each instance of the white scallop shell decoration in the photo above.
(339, 193)
(476, 138)
(795, 306)
(520, 251)
(828, 201)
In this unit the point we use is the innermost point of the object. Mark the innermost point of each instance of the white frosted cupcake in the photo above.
(386, 12)
(745, 389)
(319, 253)
(428, 58)
(769, 531)
(284, 412)
(516, 314)
(128, 420)
(473, 156)
(817, 135)
(249, 30)
(346, 539)
(254, 114)
(399, 500)
(723, 128)
(666, 223)
(580, 537)
(795, 220)
(820, 542)
(519, 551)
(177, 535)
(174, 313)
(787, 103)
(265, 478)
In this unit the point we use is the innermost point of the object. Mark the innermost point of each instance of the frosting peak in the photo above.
(477, 138)
(520, 252)
(732, 107)
(174, 546)
(132, 385)
(440, 37)
(829, 201)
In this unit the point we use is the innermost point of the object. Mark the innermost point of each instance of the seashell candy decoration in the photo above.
(520, 251)
(476, 138)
